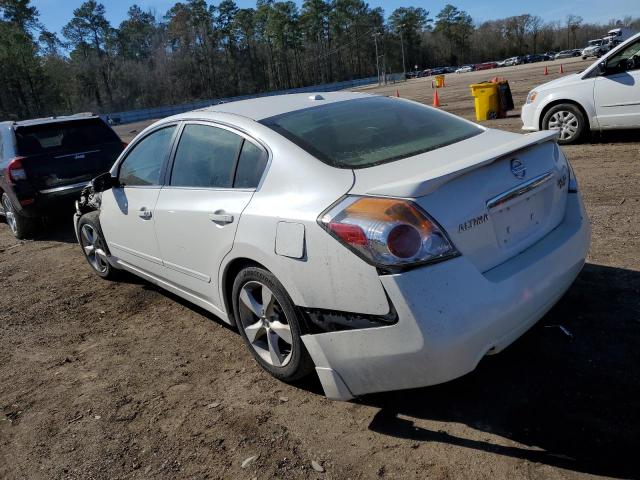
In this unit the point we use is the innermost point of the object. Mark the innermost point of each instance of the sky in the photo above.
(54, 14)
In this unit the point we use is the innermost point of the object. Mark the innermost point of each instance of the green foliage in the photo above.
(198, 50)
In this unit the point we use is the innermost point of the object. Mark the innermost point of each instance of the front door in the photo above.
(213, 177)
(127, 215)
(617, 91)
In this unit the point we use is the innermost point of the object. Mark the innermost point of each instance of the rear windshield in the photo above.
(63, 136)
(370, 131)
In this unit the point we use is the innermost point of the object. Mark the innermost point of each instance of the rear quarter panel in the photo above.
(298, 188)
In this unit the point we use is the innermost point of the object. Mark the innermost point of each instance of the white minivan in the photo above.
(605, 96)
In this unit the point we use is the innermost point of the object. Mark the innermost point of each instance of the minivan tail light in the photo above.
(16, 171)
(387, 232)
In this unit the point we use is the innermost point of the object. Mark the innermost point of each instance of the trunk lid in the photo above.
(495, 194)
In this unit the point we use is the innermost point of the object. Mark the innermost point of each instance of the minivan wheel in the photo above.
(269, 324)
(567, 119)
(21, 226)
(94, 246)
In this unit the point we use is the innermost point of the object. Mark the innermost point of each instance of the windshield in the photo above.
(370, 131)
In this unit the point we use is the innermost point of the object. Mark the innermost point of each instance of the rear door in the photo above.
(127, 215)
(214, 174)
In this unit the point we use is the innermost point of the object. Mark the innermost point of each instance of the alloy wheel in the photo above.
(566, 122)
(265, 324)
(9, 214)
(93, 248)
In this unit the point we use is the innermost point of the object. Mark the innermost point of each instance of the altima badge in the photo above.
(518, 169)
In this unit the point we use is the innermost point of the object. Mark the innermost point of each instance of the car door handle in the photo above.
(221, 217)
(145, 214)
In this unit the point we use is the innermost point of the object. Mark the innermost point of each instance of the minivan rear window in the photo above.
(369, 131)
(63, 136)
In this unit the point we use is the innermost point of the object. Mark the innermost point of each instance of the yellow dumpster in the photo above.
(486, 99)
(439, 81)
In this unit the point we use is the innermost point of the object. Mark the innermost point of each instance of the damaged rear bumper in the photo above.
(450, 315)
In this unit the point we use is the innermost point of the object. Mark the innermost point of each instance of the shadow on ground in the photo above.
(614, 136)
(573, 399)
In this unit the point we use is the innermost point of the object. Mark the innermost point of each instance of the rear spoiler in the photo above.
(458, 167)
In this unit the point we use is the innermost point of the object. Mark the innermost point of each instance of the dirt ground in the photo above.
(122, 380)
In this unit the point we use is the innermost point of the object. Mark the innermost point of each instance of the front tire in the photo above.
(22, 227)
(94, 246)
(568, 120)
(270, 325)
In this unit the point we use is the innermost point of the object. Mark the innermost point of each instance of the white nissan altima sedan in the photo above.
(382, 243)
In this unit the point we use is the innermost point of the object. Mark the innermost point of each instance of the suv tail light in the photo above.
(387, 232)
(16, 171)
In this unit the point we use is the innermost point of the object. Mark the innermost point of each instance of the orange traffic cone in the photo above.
(397, 93)
(546, 71)
(561, 69)
(436, 99)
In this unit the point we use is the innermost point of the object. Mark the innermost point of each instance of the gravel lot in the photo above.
(122, 380)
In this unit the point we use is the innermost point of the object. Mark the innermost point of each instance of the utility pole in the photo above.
(404, 69)
(375, 40)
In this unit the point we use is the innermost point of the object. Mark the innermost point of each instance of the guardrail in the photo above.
(131, 116)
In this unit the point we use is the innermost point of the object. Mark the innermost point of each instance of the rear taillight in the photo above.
(16, 171)
(387, 232)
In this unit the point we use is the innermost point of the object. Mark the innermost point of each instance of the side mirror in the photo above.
(602, 68)
(104, 182)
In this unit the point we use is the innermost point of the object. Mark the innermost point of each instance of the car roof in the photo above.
(64, 118)
(265, 107)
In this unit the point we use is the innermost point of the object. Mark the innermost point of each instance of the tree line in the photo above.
(197, 50)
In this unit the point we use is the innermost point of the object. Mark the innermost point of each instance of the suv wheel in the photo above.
(94, 245)
(21, 226)
(270, 325)
(567, 119)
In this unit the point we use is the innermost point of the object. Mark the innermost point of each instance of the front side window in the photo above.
(143, 164)
(206, 157)
(369, 131)
(625, 60)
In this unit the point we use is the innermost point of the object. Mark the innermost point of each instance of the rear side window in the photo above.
(143, 164)
(251, 165)
(206, 157)
(369, 131)
(75, 135)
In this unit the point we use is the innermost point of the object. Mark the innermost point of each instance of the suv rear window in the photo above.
(54, 137)
(369, 131)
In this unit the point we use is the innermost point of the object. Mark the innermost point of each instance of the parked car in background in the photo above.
(46, 162)
(534, 58)
(465, 69)
(568, 54)
(500, 63)
(485, 66)
(594, 48)
(513, 61)
(437, 71)
(551, 55)
(381, 242)
(605, 96)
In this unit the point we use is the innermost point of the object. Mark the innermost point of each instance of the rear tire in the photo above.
(94, 246)
(568, 120)
(269, 324)
(22, 227)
